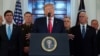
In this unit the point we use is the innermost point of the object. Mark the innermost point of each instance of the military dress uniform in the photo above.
(25, 30)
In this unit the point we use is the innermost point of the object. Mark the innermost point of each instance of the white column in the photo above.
(24, 5)
(90, 9)
(1, 7)
(74, 11)
(98, 10)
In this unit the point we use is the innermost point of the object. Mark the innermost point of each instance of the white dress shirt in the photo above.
(81, 27)
(52, 21)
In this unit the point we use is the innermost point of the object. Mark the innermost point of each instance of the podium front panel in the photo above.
(58, 41)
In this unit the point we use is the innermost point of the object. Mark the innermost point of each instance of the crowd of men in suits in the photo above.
(83, 39)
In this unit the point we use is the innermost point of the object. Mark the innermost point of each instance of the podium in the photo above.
(45, 44)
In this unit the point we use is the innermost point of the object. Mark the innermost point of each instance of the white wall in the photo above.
(89, 4)
(74, 11)
(1, 7)
(10, 5)
(91, 9)
(98, 10)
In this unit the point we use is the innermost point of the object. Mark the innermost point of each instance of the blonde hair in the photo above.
(48, 5)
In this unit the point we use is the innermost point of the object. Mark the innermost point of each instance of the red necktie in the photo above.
(50, 25)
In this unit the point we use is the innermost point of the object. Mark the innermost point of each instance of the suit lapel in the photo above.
(80, 31)
(87, 28)
(54, 25)
(5, 33)
(13, 31)
(44, 24)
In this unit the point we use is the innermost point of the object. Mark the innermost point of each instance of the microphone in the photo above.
(49, 14)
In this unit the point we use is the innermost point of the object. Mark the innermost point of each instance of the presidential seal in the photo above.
(49, 44)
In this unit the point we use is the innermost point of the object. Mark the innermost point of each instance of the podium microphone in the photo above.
(49, 14)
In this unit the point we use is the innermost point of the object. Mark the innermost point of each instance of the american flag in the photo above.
(18, 19)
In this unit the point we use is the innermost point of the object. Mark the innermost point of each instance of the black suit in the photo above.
(40, 26)
(83, 46)
(12, 47)
(98, 41)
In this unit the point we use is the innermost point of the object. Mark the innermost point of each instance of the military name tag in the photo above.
(49, 44)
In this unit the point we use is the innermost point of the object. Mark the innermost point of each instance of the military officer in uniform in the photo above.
(26, 29)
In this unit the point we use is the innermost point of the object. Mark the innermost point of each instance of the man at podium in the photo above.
(48, 23)
(45, 38)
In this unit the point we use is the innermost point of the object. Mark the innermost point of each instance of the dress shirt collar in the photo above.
(81, 26)
(52, 20)
(11, 25)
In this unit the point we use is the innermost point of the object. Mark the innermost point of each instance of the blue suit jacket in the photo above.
(40, 26)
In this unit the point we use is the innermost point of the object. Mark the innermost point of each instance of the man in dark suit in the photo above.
(48, 24)
(84, 43)
(98, 42)
(95, 24)
(26, 29)
(10, 37)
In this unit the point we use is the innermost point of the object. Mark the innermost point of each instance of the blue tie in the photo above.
(83, 31)
(9, 32)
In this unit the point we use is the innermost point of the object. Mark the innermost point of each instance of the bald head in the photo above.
(83, 18)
